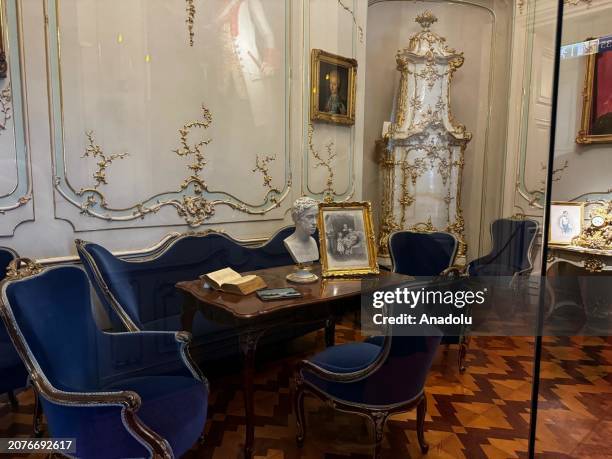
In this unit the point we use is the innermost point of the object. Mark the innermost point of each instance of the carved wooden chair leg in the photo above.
(463, 348)
(378, 418)
(298, 405)
(37, 422)
(13, 400)
(421, 412)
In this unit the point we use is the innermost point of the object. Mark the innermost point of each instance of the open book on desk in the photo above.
(228, 280)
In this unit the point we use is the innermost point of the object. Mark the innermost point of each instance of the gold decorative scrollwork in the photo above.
(597, 237)
(430, 72)
(426, 227)
(387, 222)
(593, 265)
(94, 150)
(194, 150)
(194, 208)
(261, 165)
(326, 163)
(352, 13)
(190, 21)
(21, 268)
(5, 107)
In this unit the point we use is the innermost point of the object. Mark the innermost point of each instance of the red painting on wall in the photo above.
(596, 124)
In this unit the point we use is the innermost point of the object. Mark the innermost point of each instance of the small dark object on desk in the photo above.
(269, 294)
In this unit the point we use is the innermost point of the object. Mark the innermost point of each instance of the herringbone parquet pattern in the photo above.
(483, 413)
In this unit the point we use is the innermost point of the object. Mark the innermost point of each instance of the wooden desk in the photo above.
(253, 317)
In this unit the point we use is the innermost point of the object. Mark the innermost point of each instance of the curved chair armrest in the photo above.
(128, 401)
(353, 376)
(126, 398)
(153, 354)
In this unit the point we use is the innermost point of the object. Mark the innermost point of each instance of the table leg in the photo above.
(330, 331)
(248, 345)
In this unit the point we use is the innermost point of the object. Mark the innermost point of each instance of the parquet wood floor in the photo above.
(483, 413)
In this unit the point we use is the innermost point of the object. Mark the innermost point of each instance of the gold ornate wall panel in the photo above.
(16, 204)
(329, 161)
(150, 129)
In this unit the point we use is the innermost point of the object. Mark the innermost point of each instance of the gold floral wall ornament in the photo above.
(5, 107)
(93, 150)
(190, 200)
(195, 150)
(328, 192)
(190, 21)
(352, 13)
(196, 210)
(261, 165)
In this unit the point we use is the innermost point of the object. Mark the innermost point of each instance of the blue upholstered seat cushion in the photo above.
(376, 340)
(346, 358)
(175, 407)
(399, 379)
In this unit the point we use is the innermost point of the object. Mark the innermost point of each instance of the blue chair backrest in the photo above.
(53, 313)
(146, 289)
(512, 241)
(422, 254)
(6, 256)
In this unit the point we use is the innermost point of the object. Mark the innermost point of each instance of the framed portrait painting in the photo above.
(565, 222)
(596, 123)
(332, 92)
(347, 240)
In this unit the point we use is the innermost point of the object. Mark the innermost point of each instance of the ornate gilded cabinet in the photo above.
(422, 155)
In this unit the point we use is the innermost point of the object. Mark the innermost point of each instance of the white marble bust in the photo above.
(301, 245)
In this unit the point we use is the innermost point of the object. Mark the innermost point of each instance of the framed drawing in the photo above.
(347, 239)
(596, 124)
(565, 222)
(332, 92)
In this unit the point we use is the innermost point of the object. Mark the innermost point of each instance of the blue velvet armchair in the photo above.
(422, 254)
(370, 380)
(114, 405)
(510, 255)
(13, 375)
(140, 294)
(425, 254)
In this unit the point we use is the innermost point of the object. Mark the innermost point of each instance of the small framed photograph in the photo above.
(332, 94)
(566, 220)
(347, 239)
(596, 123)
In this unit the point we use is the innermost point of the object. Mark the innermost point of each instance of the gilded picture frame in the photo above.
(332, 88)
(347, 240)
(566, 222)
(588, 133)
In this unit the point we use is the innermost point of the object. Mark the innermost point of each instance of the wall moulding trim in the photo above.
(309, 130)
(193, 201)
(14, 108)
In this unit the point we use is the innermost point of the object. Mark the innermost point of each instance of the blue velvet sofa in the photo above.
(140, 294)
